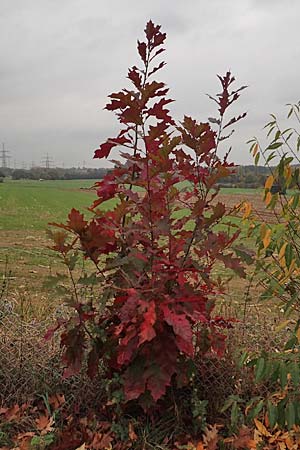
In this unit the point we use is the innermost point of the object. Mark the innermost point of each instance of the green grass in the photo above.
(26, 208)
(31, 205)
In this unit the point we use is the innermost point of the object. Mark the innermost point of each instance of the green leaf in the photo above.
(271, 156)
(275, 145)
(260, 369)
(256, 160)
(295, 201)
(271, 128)
(257, 409)
(290, 415)
(277, 135)
(294, 370)
(283, 374)
(281, 413)
(244, 254)
(272, 413)
(297, 411)
(288, 255)
(243, 359)
(273, 202)
(228, 403)
(291, 343)
(275, 372)
(234, 416)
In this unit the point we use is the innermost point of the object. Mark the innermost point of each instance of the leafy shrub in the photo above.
(277, 237)
(276, 231)
(152, 240)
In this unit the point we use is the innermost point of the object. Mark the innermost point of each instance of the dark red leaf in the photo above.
(147, 332)
(135, 77)
(142, 49)
(182, 328)
(76, 221)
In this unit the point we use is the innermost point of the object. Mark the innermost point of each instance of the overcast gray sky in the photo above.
(61, 58)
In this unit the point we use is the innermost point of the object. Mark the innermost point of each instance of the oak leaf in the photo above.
(211, 437)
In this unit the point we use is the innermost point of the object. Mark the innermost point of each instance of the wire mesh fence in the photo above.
(30, 365)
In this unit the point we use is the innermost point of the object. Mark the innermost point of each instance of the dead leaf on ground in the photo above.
(101, 441)
(12, 413)
(211, 437)
(57, 400)
(131, 432)
(261, 428)
(200, 446)
(244, 440)
(82, 447)
(45, 424)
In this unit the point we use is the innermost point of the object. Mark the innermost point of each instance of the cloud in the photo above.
(60, 59)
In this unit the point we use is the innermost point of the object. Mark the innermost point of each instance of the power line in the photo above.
(4, 156)
(47, 161)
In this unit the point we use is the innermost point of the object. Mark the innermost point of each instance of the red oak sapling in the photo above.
(154, 251)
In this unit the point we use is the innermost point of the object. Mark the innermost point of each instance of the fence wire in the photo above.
(30, 365)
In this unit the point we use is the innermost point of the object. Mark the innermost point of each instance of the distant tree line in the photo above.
(246, 177)
(40, 173)
(242, 176)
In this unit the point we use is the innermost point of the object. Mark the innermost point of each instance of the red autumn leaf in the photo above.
(147, 332)
(50, 332)
(159, 112)
(218, 343)
(159, 39)
(104, 150)
(160, 66)
(159, 373)
(151, 30)
(132, 114)
(73, 341)
(93, 360)
(106, 189)
(232, 263)
(142, 49)
(76, 221)
(134, 382)
(153, 89)
(120, 100)
(135, 77)
(182, 328)
(234, 120)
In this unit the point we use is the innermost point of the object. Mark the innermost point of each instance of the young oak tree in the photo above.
(155, 249)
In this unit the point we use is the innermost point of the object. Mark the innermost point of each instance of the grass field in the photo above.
(26, 208)
(30, 205)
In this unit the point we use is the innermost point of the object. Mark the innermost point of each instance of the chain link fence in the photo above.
(30, 365)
